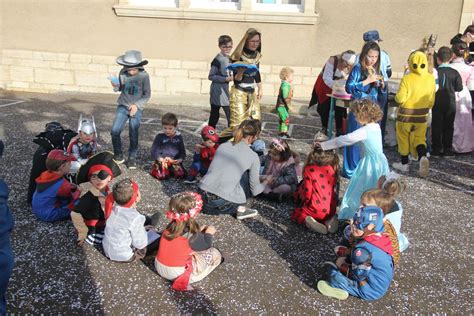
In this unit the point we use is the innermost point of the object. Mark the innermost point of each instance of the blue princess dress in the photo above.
(371, 167)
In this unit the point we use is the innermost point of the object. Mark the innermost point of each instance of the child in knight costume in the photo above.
(85, 145)
(244, 98)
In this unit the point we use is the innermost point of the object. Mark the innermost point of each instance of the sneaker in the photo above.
(424, 167)
(332, 224)
(400, 167)
(119, 159)
(190, 180)
(247, 213)
(449, 154)
(315, 226)
(341, 251)
(327, 290)
(332, 264)
(132, 163)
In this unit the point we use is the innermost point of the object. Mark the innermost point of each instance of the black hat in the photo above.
(55, 139)
(106, 159)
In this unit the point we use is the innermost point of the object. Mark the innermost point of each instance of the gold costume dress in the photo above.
(243, 97)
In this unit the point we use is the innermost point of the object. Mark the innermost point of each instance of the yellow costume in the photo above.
(244, 104)
(415, 98)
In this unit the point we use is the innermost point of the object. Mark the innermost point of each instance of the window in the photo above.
(263, 11)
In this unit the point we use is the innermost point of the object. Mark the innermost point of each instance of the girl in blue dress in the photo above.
(364, 82)
(373, 163)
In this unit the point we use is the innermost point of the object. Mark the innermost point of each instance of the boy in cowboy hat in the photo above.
(92, 210)
(134, 84)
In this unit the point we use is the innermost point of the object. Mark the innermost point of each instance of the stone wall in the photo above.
(36, 71)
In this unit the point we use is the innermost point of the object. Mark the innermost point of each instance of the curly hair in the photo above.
(366, 110)
(285, 72)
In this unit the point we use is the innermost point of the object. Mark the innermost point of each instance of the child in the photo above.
(372, 268)
(220, 81)
(186, 254)
(463, 135)
(7, 260)
(415, 98)
(444, 109)
(168, 150)
(134, 84)
(374, 163)
(54, 196)
(279, 171)
(284, 100)
(84, 146)
(317, 193)
(125, 235)
(91, 211)
(204, 153)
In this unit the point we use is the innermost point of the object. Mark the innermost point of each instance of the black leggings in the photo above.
(214, 117)
(339, 113)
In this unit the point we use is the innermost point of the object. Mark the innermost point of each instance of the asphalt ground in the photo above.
(272, 264)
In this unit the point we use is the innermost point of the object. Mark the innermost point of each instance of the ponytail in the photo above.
(247, 128)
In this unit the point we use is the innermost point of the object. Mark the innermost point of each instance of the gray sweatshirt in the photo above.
(229, 164)
(135, 89)
(219, 87)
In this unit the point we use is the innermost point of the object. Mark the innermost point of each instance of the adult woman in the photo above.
(364, 82)
(233, 174)
(336, 68)
(244, 100)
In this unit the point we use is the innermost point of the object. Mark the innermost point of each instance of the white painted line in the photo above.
(11, 103)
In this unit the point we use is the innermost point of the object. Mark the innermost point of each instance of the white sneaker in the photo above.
(246, 214)
(400, 167)
(315, 226)
(424, 167)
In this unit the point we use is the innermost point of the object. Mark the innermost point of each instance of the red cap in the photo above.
(210, 133)
(58, 154)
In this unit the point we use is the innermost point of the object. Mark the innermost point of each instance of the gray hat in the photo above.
(132, 58)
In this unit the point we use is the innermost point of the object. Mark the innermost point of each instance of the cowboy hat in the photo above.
(132, 58)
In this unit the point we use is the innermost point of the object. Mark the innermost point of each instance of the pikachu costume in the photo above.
(415, 98)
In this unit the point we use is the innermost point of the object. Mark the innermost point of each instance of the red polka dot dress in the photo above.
(316, 194)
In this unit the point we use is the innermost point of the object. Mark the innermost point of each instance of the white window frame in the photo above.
(207, 4)
(278, 7)
(154, 3)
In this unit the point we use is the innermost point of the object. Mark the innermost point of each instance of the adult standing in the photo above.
(336, 68)
(364, 82)
(233, 175)
(244, 97)
(386, 71)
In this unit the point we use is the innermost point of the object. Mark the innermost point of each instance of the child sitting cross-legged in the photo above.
(91, 211)
(186, 254)
(84, 145)
(368, 271)
(168, 150)
(317, 193)
(126, 233)
(279, 170)
(203, 154)
(54, 195)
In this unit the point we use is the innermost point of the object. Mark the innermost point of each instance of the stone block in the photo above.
(269, 89)
(157, 84)
(97, 68)
(92, 79)
(309, 81)
(198, 65)
(17, 53)
(272, 79)
(80, 58)
(32, 63)
(53, 76)
(4, 73)
(104, 60)
(265, 69)
(19, 73)
(302, 71)
(158, 63)
(183, 85)
(194, 74)
(205, 86)
(114, 70)
(303, 91)
(297, 79)
(58, 64)
(174, 64)
(315, 71)
(171, 73)
(7, 60)
(18, 84)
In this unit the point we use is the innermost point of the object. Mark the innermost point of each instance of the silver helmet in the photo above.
(86, 126)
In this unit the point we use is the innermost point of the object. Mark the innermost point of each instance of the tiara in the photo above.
(192, 213)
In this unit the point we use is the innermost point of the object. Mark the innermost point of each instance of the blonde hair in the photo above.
(394, 187)
(366, 110)
(247, 128)
(320, 157)
(285, 72)
(181, 203)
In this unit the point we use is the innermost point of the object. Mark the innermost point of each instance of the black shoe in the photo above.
(435, 153)
(119, 159)
(132, 163)
(449, 153)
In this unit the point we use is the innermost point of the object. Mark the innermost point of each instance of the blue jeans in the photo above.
(121, 117)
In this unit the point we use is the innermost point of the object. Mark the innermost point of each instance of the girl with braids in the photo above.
(186, 254)
(372, 165)
(317, 193)
(233, 175)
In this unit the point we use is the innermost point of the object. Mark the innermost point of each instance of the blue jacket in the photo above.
(6, 218)
(356, 89)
